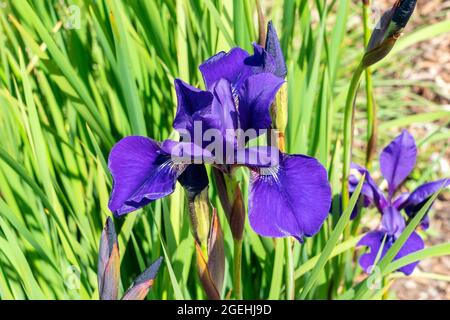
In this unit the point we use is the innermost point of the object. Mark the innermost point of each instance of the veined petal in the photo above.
(291, 199)
(420, 196)
(370, 189)
(141, 172)
(226, 65)
(397, 160)
(255, 97)
(374, 240)
(273, 47)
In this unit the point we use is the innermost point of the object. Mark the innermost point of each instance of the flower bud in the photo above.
(388, 30)
(140, 287)
(211, 266)
(108, 263)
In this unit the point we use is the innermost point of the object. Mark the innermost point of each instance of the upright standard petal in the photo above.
(226, 65)
(141, 173)
(255, 97)
(273, 47)
(291, 199)
(398, 160)
(374, 240)
(261, 61)
(420, 196)
(192, 103)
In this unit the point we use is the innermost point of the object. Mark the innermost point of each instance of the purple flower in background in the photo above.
(397, 160)
(289, 195)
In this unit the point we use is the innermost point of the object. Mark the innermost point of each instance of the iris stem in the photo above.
(371, 107)
(349, 115)
(237, 266)
(289, 276)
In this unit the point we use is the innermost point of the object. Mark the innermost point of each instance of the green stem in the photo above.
(348, 132)
(371, 107)
(237, 268)
(289, 275)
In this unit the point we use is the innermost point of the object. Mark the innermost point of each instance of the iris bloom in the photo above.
(397, 160)
(289, 194)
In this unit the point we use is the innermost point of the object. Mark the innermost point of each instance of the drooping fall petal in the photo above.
(374, 240)
(291, 199)
(141, 173)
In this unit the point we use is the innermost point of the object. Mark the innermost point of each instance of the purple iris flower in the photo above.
(397, 160)
(289, 194)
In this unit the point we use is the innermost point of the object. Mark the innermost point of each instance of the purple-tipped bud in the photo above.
(388, 30)
(108, 263)
(141, 286)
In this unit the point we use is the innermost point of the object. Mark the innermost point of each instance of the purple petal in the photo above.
(398, 160)
(291, 199)
(261, 61)
(224, 113)
(420, 196)
(392, 221)
(374, 240)
(255, 97)
(370, 188)
(413, 244)
(274, 48)
(192, 102)
(229, 66)
(141, 171)
(400, 200)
